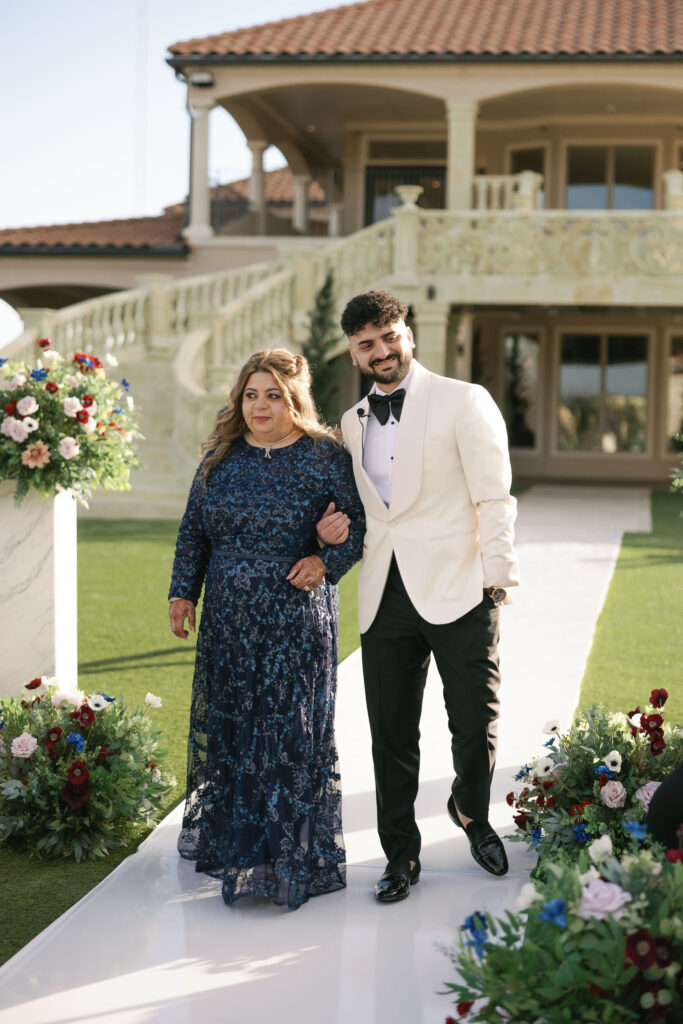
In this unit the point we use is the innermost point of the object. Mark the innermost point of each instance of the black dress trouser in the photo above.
(396, 651)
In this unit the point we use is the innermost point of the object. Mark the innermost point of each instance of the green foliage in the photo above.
(570, 785)
(83, 799)
(677, 471)
(571, 953)
(323, 336)
(94, 446)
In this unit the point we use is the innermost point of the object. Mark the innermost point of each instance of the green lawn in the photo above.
(639, 635)
(125, 649)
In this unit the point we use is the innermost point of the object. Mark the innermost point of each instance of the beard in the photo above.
(394, 373)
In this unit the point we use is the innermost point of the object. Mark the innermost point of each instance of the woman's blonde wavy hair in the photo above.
(293, 376)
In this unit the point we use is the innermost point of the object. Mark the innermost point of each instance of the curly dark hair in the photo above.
(377, 308)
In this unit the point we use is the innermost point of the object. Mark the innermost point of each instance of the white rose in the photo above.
(613, 794)
(589, 876)
(24, 745)
(16, 429)
(154, 702)
(72, 406)
(75, 698)
(544, 766)
(72, 380)
(646, 792)
(552, 727)
(31, 424)
(600, 848)
(603, 900)
(527, 896)
(91, 426)
(17, 381)
(613, 760)
(69, 448)
(27, 405)
(51, 357)
(111, 360)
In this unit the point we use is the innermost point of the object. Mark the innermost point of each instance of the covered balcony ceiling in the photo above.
(590, 100)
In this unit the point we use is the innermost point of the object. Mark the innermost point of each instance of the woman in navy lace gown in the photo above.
(263, 810)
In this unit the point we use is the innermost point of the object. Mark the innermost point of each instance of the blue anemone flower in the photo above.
(38, 374)
(636, 829)
(550, 742)
(125, 384)
(580, 833)
(553, 912)
(76, 741)
(107, 697)
(536, 836)
(524, 770)
(3, 360)
(476, 925)
(604, 770)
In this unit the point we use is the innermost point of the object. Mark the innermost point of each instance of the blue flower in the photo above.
(476, 925)
(2, 724)
(107, 697)
(38, 374)
(604, 770)
(86, 362)
(580, 834)
(553, 911)
(125, 384)
(76, 740)
(636, 829)
(524, 770)
(536, 836)
(550, 742)
(117, 408)
(3, 360)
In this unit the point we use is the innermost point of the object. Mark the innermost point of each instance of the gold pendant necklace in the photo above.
(269, 445)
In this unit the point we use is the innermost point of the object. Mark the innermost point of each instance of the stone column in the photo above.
(431, 326)
(257, 182)
(405, 246)
(673, 190)
(199, 226)
(300, 206)
(159, 340)
(334, 214)
(461, 119)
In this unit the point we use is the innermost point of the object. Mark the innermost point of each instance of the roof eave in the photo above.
(172, 249)
(181, 61)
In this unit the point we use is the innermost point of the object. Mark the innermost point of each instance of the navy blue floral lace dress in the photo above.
(263, 808)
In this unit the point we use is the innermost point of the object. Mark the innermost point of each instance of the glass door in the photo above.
(380, 183)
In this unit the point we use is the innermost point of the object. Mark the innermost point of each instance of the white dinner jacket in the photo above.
(450, 516)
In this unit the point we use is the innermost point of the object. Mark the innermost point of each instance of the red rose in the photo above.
(76, 796)
(87, 401)
(82, 416)
(85, 715)
(651, 723)
(44, 343)
(540, 800)
(52, 737)
(550, 803)
(673, 855)
(11, 408)
(658, 698)
(78, 773)
(465, 1007)
(521, 820)
(510, 799)
(640, 949)
(34, 684)
(52, 387)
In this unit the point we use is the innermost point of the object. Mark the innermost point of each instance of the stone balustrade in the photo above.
(507, 191)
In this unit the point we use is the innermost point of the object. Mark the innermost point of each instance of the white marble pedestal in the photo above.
(37, 590)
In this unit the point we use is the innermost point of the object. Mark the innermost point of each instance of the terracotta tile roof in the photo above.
(467, 28)
(135, 233)
(279, 188)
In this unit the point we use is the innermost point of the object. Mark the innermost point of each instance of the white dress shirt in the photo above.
(379, 444)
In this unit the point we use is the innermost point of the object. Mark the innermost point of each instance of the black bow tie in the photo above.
(380, 405)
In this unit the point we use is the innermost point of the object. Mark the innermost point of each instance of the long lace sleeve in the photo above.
(192, 548)
(339, 558)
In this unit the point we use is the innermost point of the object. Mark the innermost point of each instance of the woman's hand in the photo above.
(307, 573)
(178, 611)
(333, 528)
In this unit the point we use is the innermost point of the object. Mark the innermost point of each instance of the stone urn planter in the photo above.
(37, 589)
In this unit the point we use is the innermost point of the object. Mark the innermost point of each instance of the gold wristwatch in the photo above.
(497, 594)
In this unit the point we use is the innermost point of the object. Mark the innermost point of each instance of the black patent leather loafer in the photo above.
(395, 883)
(485, 845)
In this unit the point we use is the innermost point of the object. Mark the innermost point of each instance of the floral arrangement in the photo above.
(65, 425)
(595, 780)
(601, 937)
(77, 774)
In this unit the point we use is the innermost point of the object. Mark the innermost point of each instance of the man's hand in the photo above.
(178, 611)
(333, 528)
(308, 573)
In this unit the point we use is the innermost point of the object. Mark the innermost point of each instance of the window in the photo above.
(674, 407)
(610, 178)
(603, 393)
(380, 183)
(520, 388)
(530, 160)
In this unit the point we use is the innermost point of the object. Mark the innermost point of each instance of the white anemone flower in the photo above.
(600, 848)
(544, 766)
(613, 760)
(97, 702)
(154, 702)
(552, 727)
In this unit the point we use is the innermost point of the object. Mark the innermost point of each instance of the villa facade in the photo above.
(511, 168)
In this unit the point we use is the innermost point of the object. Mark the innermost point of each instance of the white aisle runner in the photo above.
(154, 942)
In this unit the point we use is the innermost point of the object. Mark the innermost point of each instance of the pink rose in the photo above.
(646, 792)
(24, 745)
(613, 794)
(602, 900)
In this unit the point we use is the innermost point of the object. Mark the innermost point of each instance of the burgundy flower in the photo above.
(540, 800)
(87, 401)
(664, 951)
(651, 723)
(44, 343)
(11, 408)
(34, 684)
(548, 785)
(658, 1012)
(76, 796)
(85, 715)
(673, 855)
(640, 949)
(465, 1007)
(52, 737)
(103, 754)
(576, 809)
(658, 698)
(521, 820)
(657, 743)
(52, 387)
(510, 798)
(604, 779)
(82, 416)
(550, 803)
(78, 773)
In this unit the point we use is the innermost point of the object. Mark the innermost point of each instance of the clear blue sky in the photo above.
(94, 124)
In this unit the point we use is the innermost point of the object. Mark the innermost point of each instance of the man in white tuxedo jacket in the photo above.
(431, 463)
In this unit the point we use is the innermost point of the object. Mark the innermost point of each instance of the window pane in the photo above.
(625, 394)
(580, 389)
(530, 160)
(674, 408)
(633, 178)
(381, 182)
(587, 178)
(520, 388)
